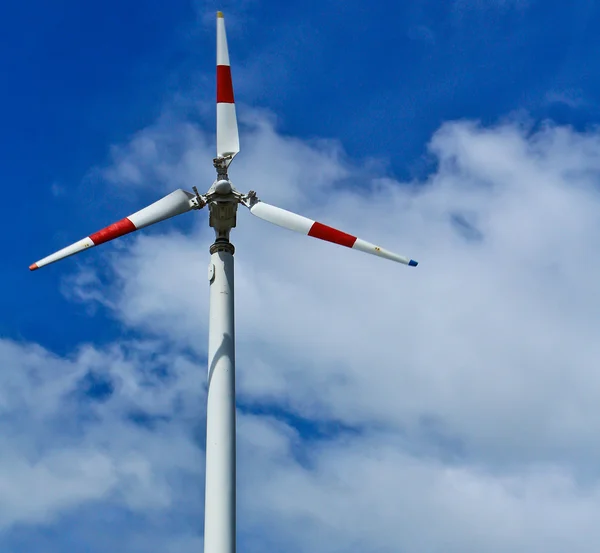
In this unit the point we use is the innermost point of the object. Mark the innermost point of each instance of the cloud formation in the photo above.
(451, 407)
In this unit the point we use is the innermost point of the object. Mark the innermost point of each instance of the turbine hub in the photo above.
(222, 187)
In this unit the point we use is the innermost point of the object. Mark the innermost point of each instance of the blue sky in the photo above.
(380, 77)
(446, 95)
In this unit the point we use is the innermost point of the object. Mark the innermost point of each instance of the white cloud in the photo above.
(367, 492)
(63, 448)
(467, 387)
(476, 327)
(170, 154)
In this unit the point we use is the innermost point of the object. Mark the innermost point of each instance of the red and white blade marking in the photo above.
(228, 140)
(303, 225)
(174, 204)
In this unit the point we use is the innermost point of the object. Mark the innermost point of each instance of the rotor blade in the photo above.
(303, 225)
(174, 204)
(228, 140)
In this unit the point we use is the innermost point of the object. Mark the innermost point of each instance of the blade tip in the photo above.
(413, 263)
(220, 15)
(33, 267)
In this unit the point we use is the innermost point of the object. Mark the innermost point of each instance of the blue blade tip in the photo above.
(413, 263)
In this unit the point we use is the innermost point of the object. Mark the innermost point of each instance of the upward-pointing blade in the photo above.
(228, 141)
(303, 225)
(174, 204)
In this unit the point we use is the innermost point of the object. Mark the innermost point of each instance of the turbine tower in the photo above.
(222, 200)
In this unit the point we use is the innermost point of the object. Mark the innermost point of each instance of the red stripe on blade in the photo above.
(330, 234)
(124, 226)
(224, 85)
(33, 267)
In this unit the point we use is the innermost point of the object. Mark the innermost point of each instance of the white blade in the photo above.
(228, 140)
(297, 223)
(174, 204)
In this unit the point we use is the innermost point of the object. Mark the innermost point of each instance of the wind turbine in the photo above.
(222, 200)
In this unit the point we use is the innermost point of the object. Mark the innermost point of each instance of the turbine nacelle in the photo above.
(222, 199)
